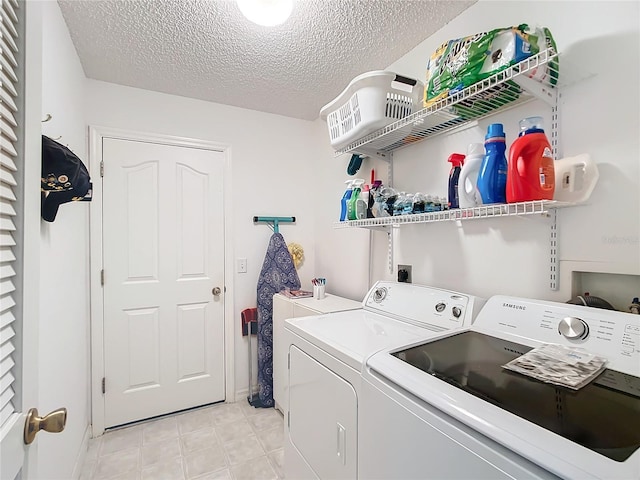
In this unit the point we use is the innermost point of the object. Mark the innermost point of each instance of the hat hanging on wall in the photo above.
(64, 178)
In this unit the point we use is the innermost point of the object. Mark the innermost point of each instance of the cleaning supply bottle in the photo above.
(456, 160)
(374, 191)
(492, 179)
(362, 203)
(345, 199)
(351, 203)
(468, 194)
(530, 174)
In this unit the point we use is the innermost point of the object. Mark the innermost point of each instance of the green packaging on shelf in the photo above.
(461, 62)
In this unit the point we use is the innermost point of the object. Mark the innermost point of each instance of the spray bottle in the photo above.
(352, 202)
(456, 160)
(362, 204)
(345, 199)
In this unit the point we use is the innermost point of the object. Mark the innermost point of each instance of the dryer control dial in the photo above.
(440, 307)
(573, 328)
(379, 294)
(457, 311)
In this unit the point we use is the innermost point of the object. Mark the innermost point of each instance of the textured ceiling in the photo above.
(206, 49)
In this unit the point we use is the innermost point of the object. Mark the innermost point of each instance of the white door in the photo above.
(19, 236)
(163, 240)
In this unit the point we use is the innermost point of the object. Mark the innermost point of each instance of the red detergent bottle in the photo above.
(530, 172)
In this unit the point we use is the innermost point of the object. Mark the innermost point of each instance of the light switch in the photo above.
(241, 265)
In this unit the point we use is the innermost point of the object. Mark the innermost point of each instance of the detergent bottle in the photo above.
(492, 179)
(456, 160)
(530, 174)
(345, 199)
(352, 202)
(468, 193)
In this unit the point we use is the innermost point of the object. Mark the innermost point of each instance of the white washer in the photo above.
(326, 355)
(445, 408)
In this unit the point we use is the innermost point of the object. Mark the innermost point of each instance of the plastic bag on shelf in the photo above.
(461, 62)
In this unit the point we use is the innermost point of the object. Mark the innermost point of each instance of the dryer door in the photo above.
(322, 417)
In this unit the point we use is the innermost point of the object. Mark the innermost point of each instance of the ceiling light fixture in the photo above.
(266, 12)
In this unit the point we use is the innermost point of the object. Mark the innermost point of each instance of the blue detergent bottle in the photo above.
(345, 199)
(492, 178)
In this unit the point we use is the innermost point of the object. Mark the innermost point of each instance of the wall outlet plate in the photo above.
(404, 273)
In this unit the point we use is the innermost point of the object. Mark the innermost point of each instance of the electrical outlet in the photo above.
(404, 273)
(241, 265)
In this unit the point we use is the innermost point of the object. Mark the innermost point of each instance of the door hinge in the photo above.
(288, 361)
(289, 420)
(104, 389)
(102, 277)
(102, 169)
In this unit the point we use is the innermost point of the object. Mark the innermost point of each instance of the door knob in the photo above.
(53, 422)
(216, 291)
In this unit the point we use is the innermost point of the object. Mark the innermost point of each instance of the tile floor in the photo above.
(224, 441)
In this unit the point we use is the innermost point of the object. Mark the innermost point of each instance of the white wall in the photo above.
(272, 175)
(598, 115)
(64, 281)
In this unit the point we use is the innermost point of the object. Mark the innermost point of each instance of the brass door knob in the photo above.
(216, 291)
(53, 422)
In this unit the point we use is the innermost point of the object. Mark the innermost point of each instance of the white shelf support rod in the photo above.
(555, 147)
(390, 230)
(390, 247)
(553, 252)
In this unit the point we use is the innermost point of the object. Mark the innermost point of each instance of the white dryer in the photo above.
(325, 357)
(446, 408)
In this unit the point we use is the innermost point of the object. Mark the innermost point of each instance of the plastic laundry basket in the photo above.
(371, 101)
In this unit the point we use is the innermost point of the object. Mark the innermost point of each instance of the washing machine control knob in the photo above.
(379, 294)
(573, 328)
(457, 311)
(440, 307)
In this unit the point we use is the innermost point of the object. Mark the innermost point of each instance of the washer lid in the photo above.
(603, 416)
(571, 434)
(353, 336)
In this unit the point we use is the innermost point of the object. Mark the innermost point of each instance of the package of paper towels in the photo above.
(461, 62)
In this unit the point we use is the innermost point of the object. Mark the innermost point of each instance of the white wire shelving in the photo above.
(538, 207)
(535, 77)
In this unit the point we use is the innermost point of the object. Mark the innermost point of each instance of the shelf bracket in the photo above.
(384, 156)
(542, 92)
(553, 252)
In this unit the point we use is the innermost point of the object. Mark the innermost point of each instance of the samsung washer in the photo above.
(446, 408)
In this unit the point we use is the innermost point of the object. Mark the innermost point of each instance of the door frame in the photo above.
(96, 135)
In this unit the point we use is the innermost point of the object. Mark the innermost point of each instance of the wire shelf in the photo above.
(536, 207)
(535, 77)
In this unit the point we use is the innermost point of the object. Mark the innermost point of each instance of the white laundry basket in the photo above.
(371, 101)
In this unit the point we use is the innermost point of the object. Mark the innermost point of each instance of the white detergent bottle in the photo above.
(468, 194)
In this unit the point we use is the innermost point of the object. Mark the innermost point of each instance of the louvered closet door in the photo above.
(11, 421)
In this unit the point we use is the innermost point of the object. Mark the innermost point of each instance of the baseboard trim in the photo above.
(241, 395)
(82, 454)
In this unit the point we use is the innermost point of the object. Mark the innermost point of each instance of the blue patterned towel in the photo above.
(277, 273)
